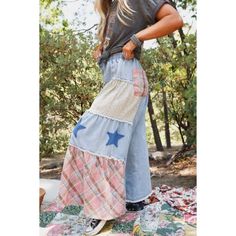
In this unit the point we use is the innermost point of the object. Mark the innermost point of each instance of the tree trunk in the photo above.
(155, 130)
(166, 119)
(181, 135)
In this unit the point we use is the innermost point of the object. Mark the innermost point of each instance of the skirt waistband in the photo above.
(106, 57)
(116, 56)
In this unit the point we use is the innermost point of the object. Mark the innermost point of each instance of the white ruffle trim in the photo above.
(97, 154)
(108, 117)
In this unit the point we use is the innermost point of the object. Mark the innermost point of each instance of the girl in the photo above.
(106, 168)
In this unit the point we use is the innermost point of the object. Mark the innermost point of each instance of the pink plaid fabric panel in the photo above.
(96, 183)
(140, 82)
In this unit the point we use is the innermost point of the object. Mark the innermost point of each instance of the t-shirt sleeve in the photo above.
(149, 9)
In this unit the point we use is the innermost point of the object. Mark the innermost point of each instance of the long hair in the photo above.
(102, 7)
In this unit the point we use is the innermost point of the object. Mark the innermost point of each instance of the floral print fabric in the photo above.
(168, 212)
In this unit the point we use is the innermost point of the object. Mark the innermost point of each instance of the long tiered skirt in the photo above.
(106, 163)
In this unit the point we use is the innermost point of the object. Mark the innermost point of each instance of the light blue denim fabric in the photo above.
(119, 68)
(138, 181)
(132, 147)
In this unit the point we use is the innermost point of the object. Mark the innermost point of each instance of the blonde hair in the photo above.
(102, 7)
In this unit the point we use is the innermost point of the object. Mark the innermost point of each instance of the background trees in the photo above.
(69, 78)
(171, 71)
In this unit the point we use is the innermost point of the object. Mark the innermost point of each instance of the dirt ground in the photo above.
(181, 173)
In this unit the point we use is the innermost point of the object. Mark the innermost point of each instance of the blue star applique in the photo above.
(114, 138)
(78, 127)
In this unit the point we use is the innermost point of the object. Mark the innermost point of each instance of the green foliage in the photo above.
(171, 67)
(186, 3)
(69, 81)
(50, 12)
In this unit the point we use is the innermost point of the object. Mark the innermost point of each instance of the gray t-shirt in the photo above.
(118, 34)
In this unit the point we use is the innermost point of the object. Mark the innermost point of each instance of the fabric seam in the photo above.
(94, 112)
(120, 79)
(97, 155)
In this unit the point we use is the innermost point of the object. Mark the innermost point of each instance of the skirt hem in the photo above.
(141, 199)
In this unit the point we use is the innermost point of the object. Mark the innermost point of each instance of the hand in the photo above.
(98, 51)
(128, 50)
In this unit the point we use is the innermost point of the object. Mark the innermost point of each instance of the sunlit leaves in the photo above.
(172, 68)
(69, 80)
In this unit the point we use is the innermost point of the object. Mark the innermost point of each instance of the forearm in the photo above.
(165, 26)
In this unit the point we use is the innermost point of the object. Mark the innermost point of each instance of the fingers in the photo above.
(96, 54)
(128, 55)
(97, 51)
(128, 50)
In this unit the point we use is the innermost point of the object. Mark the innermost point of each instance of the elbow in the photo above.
(179, 22)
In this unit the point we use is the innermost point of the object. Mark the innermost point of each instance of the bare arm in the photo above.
(169, 20)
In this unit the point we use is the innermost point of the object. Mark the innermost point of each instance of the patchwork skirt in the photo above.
(106, 163)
